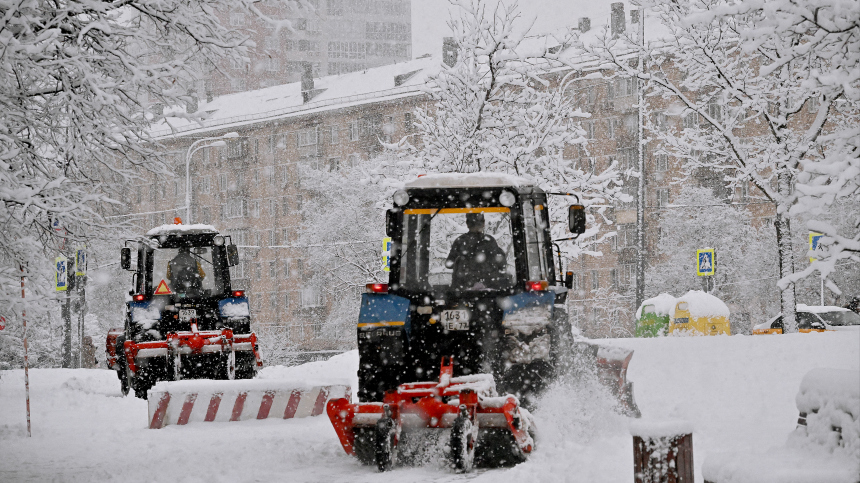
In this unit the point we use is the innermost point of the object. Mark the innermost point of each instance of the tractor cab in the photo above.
(183, 318)
(184, 270)
(472, 276)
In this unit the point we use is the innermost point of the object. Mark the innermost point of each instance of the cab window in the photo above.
(535, 221)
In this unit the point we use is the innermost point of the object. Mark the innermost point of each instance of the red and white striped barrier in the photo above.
(183, 402)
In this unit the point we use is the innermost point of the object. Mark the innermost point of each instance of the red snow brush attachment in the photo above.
(373, 430)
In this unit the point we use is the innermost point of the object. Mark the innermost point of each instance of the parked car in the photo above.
(814, 318)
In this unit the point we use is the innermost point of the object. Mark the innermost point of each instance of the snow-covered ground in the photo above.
(737, 392)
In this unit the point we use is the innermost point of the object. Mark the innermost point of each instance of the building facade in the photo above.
(334, 37)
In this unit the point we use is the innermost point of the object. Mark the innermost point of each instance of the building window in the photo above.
(662, 121)
(255, 208)
(273, 240)
(354, 130)
(285, 204)
(812, 104)
(311, 297)
(662, 161)
(626, 235)
(691, 120)
(236, 149)
(333, 164)
(237, 19)
(715, 111)
(744, 192)
(272, 64)
(273, 267)
(334, 135)
(589, 129)
(285, 235)
(595, 280)
(628, 275)
(613, 278)
(662, 198)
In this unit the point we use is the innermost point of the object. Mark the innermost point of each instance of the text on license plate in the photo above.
(187, 314)
(455, 319)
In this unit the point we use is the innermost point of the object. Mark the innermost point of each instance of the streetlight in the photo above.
(196, 146)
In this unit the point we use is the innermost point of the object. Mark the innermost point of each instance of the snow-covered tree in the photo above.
(344, 210)
(764, 95)
(76, 79)
(502, 106)
(745, 263)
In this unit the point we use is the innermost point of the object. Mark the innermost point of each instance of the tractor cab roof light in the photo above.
(536, 285)
(238, 293)
(139, 297)
(377, 288)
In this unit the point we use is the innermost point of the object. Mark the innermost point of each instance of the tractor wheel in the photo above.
(246, 365)
(462, 444)
(142, 384)
(123, 382)
(229, 370)
(365, 445)
(386, 449)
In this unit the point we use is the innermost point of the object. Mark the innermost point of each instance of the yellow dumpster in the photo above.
(699, 313)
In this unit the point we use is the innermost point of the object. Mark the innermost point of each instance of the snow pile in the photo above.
(737, 392)
(653, 429)
(178, 229)
(235, 309)
(831, 399)
(468, 180)
(664, 304)
(702, 304)
(817, 452)
(340, 369)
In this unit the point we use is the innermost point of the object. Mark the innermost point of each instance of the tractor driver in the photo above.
(476, 259)
(184, 272)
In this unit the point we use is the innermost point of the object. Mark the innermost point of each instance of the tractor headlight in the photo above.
(401, 198)
(507, 198)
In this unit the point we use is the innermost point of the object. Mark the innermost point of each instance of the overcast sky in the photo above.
(429, 18)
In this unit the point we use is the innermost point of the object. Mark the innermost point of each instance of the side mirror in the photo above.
(232, 255)
(818, 326)
(125, 258)
(576, 219)
(393, 223)
(568, 280)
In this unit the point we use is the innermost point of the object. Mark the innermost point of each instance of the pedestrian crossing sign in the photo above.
(706, 262)
(815, 244)
(386, 254)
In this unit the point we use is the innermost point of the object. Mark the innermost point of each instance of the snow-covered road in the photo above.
(738, 392)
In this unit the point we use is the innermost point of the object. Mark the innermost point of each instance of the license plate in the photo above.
(455, 319)
(682, 320)
(187, 314)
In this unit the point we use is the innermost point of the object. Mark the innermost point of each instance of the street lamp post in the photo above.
(196, 146)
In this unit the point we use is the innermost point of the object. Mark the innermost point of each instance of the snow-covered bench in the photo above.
(824, 448)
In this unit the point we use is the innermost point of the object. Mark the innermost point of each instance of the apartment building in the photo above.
(333, 37)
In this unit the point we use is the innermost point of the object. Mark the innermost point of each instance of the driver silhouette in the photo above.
(475, 257)
(184, 272)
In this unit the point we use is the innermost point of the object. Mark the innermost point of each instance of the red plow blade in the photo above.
(467, 405)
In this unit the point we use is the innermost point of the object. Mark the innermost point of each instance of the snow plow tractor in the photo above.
(183, 318)
(472, 285)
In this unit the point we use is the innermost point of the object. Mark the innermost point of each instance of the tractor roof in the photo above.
(177, 229)
(470, 180)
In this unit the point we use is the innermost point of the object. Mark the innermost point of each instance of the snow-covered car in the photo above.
(814, 318)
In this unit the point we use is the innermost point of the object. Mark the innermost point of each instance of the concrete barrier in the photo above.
(182, 402)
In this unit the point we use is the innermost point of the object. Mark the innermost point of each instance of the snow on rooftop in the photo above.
(468, 180)
(703, 304)
(664, 304)
(371, 85)
(178, 229)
